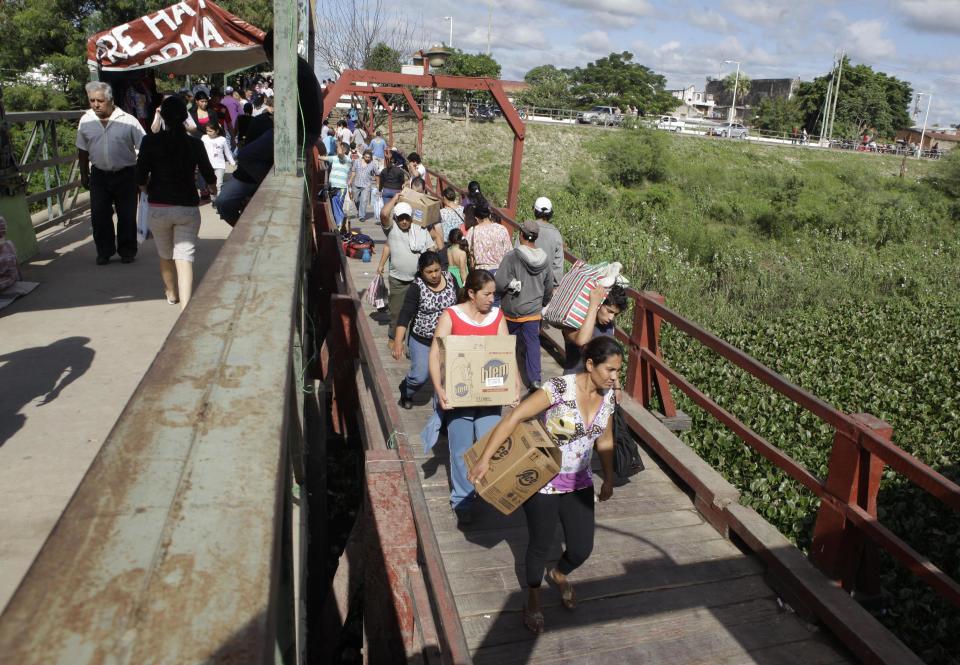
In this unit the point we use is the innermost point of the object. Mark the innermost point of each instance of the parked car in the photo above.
(600, 115)
(730, 129)
(670, 123)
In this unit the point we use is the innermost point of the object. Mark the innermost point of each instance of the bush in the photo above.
(947, 176)
(630, 158)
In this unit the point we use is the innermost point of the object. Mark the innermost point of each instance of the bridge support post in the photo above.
(642, 380)
(839, 550)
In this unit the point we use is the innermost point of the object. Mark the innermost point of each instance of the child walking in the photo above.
(218, 152)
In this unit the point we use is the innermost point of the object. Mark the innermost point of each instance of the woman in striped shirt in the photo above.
(339, 172)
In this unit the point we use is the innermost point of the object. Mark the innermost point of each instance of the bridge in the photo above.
(201, 530)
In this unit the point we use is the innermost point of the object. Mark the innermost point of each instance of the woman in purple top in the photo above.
(576, 409)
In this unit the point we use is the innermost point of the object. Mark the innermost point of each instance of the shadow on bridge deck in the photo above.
(662, 585)
(71, 354)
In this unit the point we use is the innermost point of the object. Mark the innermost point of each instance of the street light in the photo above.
(450, 18)
(733, 105)
(925, 116)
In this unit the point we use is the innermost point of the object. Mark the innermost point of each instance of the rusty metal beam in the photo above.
(171, 549)
(379, 91)
(349, 78)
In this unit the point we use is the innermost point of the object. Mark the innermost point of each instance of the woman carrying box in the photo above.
(432, 293)
(576, 409)
(475, 315)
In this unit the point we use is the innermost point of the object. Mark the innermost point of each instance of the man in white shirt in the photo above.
(107, 143)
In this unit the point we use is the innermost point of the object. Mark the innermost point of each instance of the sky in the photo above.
(685, 40)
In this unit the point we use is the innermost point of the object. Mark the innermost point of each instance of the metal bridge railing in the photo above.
(846, 531)
(177, 545)
(43, 156)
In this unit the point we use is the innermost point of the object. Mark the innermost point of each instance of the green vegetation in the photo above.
(828, 267)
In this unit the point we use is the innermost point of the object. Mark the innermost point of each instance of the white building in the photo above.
(695, 103)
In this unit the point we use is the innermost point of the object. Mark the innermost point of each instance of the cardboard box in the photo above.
(526, 461)
(426, 208)
(479, 370)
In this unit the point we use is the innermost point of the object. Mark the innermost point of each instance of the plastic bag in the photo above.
(376, 203)
(143, 218)
(377, 293)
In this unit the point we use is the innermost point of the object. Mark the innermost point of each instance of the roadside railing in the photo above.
(846, 530)
(49, 164)
(177, 545)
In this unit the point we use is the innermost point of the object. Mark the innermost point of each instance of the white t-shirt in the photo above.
(344, 135)
(111, 147)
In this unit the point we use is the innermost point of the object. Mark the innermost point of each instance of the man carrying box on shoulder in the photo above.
(525, 282)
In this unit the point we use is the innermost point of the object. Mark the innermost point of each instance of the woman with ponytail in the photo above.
(165, 168)
(458, 256)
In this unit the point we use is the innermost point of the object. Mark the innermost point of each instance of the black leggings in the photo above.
(574, 510)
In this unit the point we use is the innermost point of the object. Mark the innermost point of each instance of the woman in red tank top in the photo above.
(475, 315)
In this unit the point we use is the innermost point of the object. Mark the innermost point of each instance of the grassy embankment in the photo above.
(826, 266)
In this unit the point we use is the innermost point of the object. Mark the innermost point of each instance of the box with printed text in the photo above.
(479, 370)
(523, 464)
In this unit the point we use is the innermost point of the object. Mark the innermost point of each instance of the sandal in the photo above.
(533, 621)
(568, 597)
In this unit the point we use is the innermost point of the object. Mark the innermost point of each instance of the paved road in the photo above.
(71, 354)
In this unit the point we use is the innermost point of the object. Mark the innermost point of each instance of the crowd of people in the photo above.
(465, 275)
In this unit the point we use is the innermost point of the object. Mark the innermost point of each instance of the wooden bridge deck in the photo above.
(662, 585)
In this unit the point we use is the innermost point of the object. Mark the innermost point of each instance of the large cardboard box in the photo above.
(479, 370)
(526, 461)
(426, 208)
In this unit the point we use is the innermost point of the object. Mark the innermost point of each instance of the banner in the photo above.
(190, 37)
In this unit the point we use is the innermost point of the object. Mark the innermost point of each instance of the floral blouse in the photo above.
(574, 437)
(488, 243)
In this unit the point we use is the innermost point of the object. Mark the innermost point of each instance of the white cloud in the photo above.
(867, 41)
(596, 41)
(762, 12)
(611, 21)
(932, 15)
(708, 19)
(618, 7)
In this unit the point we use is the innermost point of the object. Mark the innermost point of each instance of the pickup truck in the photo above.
(600, 115)
(670, 123)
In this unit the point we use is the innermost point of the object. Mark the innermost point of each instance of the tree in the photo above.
(470, 64)
(383, 59)
(868, 100)
(348, 31)
(778, 115)
(742, 83)
(617, 81)
(549, 88)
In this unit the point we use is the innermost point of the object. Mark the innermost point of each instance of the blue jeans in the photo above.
(388, 194)
(465, 426)
(419, 367)
(528, 347)
(336, 202)
(361, 197)
(230, 200)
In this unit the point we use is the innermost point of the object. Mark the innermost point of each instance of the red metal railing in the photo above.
(354, 342)
(861, 447)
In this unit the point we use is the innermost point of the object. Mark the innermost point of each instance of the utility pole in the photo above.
(733, 104)
(925, 116)
(836, 93)
(450, 18)
(489, 24)
(826, 105)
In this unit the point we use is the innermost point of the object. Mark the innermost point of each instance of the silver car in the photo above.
(730, 129)
(600, 115)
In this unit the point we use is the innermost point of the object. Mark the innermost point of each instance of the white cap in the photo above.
(402, 208)
(543, 204)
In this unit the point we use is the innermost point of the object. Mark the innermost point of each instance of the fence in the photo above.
(42, 152)
(846, 530)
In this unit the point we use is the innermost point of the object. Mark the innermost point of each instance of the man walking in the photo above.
(363, 176)
(405, 243)
(549, 238)
(107, 141)
(379, 147)
(525, 284)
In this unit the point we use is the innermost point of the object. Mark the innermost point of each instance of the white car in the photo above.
(670, 123)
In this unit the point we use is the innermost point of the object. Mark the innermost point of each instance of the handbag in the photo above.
(571, 299)
(143, 218)
(626, 452)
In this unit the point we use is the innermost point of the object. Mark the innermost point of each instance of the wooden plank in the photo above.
(602, 577)
(694, 635)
